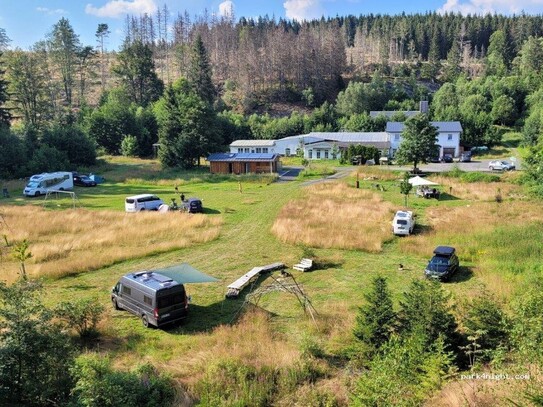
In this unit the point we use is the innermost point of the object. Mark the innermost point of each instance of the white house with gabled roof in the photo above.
(328, 145)
(448, 137)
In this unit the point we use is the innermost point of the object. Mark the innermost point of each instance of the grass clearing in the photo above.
(103, 237)
(336, 216)
(222, 349)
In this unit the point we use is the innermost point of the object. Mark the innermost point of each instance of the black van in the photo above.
(156, 299)
(443, 264)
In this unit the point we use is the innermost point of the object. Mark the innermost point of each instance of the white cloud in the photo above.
(226, 9)
(303, 9)
(490, 6)
(50, 12)
(119, 8)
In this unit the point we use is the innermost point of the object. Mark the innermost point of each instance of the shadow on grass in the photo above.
(225, 312)
(210, 211)
(463, 274)
(421, 229)
(447, 197)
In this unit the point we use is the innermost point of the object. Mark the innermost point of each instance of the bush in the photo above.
(35, 355)
(82, 315)
(129, 146)
(13, 156)
(48, 159)
(98, 385)
(73, 142)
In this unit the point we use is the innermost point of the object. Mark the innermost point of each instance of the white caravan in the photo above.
(403, 223)
(40, 184)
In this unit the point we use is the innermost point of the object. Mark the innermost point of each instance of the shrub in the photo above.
(98, 385)
(73, 142)
(82, 315)
(48, 159)
(486, 320)
(13, 156)
(35, 355)
(129, 146)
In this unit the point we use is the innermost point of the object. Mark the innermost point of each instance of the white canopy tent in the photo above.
(419, 181)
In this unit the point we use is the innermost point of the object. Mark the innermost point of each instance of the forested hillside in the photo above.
(264, 78)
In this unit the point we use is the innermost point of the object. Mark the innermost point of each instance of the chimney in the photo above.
(423, 106)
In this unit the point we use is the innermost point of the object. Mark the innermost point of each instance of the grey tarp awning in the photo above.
(184, 273)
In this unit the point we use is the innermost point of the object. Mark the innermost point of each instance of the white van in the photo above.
(143, 202)
(40, 184)
(403, 223)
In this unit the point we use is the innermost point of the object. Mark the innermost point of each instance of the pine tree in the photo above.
(376, 320)
(199, 74)
(5, 116)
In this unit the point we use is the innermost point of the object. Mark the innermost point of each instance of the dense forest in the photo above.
(66, 101)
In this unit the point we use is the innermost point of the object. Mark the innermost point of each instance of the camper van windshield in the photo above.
(33, 184)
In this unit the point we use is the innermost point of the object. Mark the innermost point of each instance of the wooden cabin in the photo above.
(243, 163)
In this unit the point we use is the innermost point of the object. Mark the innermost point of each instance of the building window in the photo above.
(396, 137)
(240, 150)
(326, 154)
(258, 150)
(265, 150)
(318, 154)
(252, 151)
(310, 154)
(287, 152)
(246, 150)
(449, 137)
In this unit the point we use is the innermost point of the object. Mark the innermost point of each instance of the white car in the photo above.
(501, 165)
(143, 202)
(403, 223)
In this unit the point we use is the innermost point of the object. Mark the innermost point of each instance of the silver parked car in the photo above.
(501, 165)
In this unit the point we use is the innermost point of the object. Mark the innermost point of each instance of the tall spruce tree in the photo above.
(5, 116)
(136, 70)
(187, 127)
(64, 46)
(376, 320)
(199, 74)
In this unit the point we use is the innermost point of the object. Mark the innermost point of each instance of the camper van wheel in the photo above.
(145, 321)
(37, 193)
(115, 305)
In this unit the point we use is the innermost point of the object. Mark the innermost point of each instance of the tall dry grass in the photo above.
(77, 240)
(501, 240)
(336, 216)
(477, 191)
(376, 173)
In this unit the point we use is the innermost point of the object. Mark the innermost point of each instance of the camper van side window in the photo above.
(127, 290)
(147, 300)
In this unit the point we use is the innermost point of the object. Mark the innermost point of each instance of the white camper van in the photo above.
(40, 184)
(403, 223)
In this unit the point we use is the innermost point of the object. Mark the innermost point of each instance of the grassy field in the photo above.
(265, 223)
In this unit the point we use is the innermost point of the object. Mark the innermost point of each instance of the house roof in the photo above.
(253, 143)
(442, 127)
(390, 113)
(231, 157)
(351, 137)
(381, 145)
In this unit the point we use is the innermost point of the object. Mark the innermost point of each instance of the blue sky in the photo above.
(28, 21)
